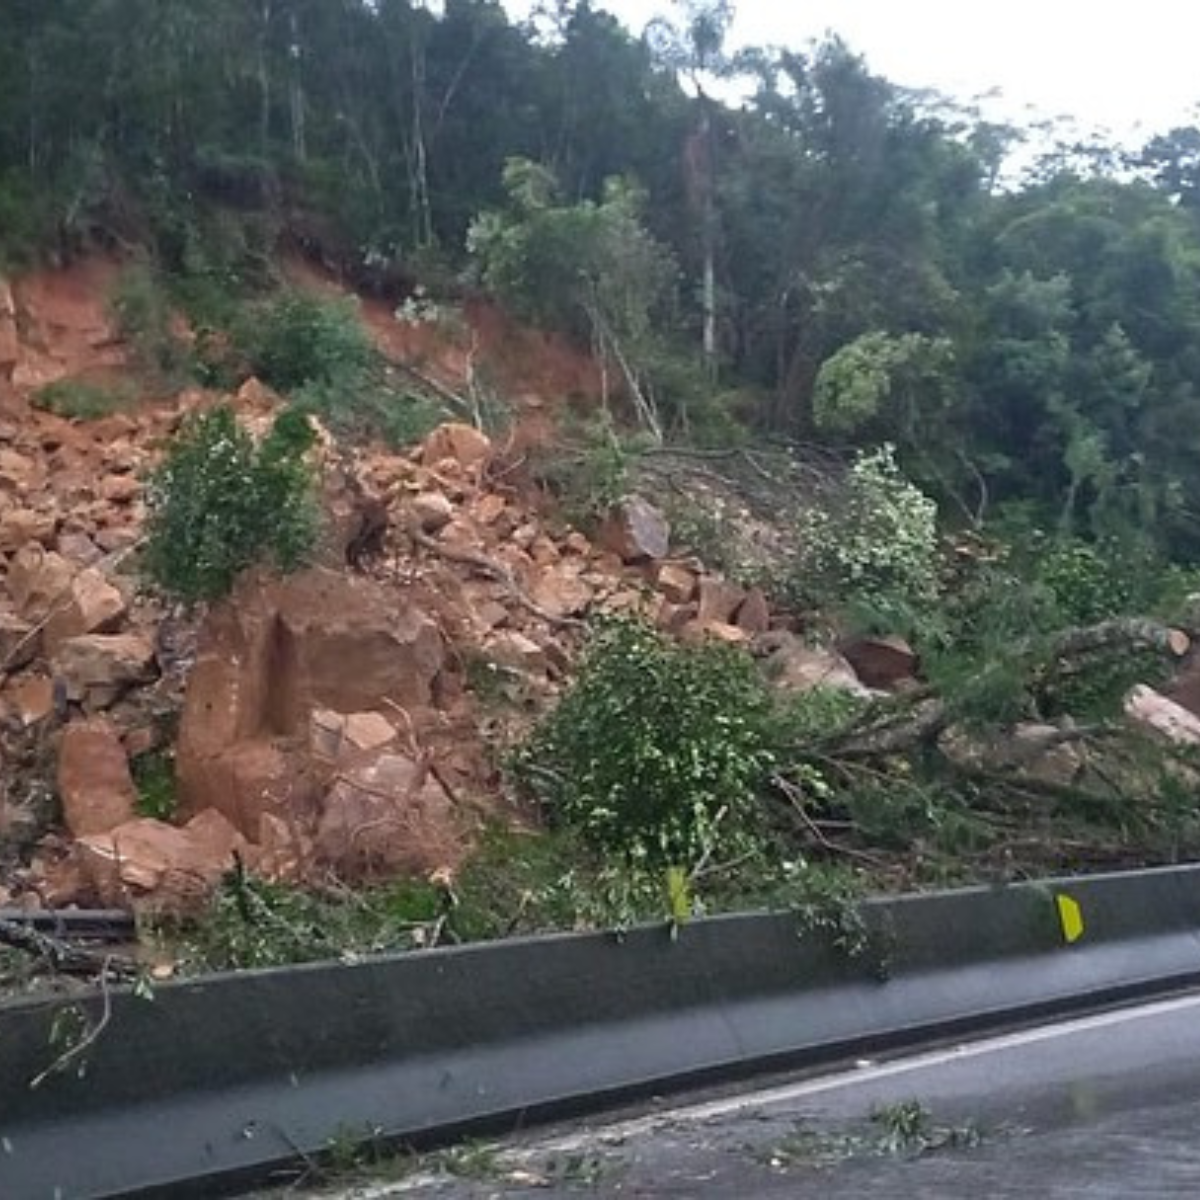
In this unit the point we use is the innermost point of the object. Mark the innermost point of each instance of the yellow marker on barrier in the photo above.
(1070, 916)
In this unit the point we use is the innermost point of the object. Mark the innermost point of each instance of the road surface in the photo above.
(1102, 1106)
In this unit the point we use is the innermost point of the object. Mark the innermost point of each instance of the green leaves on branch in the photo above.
(657, 751)
(220, 503)
(874, 540)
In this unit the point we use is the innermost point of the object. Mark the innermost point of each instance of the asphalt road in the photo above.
(1102, 1106)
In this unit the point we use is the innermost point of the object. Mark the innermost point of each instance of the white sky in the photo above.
(1130, 68)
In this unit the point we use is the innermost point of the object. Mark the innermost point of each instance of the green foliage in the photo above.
(219, 503)
(596, 473)
(154, 778)
(319, 351)
(855, 385)
(83, 399)
(657, 750)
(252, 923)
(297, 338)
(875, 541)
(364, 405)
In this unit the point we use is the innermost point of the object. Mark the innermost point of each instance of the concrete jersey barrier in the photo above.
(217, 1081)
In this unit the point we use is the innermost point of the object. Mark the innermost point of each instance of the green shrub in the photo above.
(82, 399)
(154, 777)
(656, 752)
(361, 405)
(297, 339)
(219, 503)
(876, 541)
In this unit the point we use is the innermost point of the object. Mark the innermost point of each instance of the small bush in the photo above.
(876, 542)
(656, 752)
(83, 400)
(363, 406)
(296, 339)
(154, 777)
(219, 504)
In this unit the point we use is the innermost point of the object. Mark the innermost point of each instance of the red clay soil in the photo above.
(66, 329)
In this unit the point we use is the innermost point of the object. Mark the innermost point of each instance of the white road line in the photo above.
(814, 1087)
(635, 1127)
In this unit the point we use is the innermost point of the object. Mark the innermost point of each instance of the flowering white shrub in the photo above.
(877, 541)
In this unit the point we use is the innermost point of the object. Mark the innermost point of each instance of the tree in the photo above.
(587, 267)
(694, 45)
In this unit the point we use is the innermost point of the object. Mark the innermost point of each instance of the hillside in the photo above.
(351, 724)
(461, 478)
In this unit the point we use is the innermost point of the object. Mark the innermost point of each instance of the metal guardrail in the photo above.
(218, 1081)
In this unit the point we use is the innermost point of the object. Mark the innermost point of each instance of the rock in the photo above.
(92, 605)
(114, 538)
(754, 613)
(489, 615)
(30, 699)
(881, 662)
(635, 531)
(368, 731)
(431, 510)
(544, 551)
(94, 782)
(19, 474)
(560, 591)
(719, 631)
(176, 869)
(120, 489)
(676, 583)
(76, 546)
(1032, 750)
(248, 781)
(509, 648)
(20, 526)
(326, 731)
(20, 642)
(673, 618)
(462, 444)
(267, 659)
(387, 814)
(37, 581)
(489, 508)
(1165, 716)
(719, 599)
(99, 668)
(792, 666)
(283, 852)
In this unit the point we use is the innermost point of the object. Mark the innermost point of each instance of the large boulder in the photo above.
(387, 813)
(160, 867)
(456, 442)
(635, 531)
(881, 662)
(91, 605)
(97, 669)
(95, 786)
(268, 658)
(792, 666)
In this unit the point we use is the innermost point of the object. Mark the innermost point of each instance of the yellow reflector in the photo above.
(1071, 917)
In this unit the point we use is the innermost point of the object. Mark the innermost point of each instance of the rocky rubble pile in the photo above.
(335, 723)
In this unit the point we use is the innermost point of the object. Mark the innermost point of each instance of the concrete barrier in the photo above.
(217, 1081)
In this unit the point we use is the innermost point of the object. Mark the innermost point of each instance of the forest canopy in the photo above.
(833, 251)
